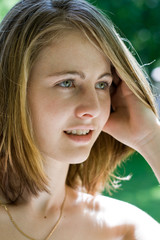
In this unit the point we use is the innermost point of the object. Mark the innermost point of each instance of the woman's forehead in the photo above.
(72, 43)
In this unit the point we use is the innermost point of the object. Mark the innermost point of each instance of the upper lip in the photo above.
(84, 127)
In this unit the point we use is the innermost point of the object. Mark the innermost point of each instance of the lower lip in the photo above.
(80, 138)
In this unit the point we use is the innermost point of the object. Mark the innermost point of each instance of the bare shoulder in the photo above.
(107, 218)
(127, 220)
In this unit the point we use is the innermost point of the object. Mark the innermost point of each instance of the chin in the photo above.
(69, 158)
(77, 159)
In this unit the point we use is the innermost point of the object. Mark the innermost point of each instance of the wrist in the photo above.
(150, 150)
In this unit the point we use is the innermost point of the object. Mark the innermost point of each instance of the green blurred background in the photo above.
(138, 21)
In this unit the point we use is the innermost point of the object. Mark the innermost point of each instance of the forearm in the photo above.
(151, 152)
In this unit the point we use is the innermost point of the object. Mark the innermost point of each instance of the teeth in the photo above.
(78, 132)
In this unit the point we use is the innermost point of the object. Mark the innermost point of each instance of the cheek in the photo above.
(46, 107)
(58, 109)
(105, 108)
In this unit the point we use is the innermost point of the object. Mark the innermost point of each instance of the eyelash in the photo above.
(107, 85)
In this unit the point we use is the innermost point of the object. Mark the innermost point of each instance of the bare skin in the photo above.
(84, 216)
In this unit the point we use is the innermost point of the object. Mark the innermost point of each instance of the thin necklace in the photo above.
(27, 236)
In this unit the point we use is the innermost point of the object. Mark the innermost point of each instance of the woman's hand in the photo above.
(131, 123)
(135, 125)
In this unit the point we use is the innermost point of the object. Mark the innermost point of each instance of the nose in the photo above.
(88, 105)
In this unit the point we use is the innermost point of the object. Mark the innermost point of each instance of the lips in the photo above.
(79, 137)
(78, 131)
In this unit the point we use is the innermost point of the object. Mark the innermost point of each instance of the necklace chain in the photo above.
(24, 234)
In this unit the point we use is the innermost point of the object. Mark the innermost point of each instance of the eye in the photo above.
(66, 84)
(102, 85)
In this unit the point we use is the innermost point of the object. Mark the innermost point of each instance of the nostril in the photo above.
(88, 110)
(87, 115)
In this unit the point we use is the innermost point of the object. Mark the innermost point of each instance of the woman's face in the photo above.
(69, 98)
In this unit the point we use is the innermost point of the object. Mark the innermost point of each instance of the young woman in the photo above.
(74, 104)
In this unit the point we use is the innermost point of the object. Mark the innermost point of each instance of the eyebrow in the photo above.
(80, 74)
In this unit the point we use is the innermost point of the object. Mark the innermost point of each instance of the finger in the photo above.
(120, 96)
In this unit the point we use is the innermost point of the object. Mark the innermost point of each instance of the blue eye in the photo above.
(102, 85)
(66, 84)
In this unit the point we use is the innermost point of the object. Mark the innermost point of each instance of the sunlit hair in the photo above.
(30, 26)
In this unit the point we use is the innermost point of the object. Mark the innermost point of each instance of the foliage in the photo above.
(138, 20)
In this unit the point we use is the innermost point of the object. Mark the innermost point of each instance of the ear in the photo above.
(115, 83)
(116, 77)
(117, 74)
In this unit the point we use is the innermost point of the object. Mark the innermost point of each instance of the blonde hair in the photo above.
(24, 32)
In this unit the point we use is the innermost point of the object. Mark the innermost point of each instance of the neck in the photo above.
(46, 203)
